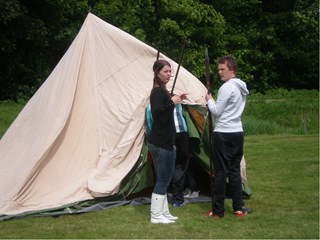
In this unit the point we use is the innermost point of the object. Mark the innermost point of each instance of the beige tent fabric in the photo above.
(82, 131)
(243, 170)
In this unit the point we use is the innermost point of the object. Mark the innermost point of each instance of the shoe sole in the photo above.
(191, 196)
(161, 221)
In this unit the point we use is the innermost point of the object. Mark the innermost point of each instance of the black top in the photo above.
(163, 130)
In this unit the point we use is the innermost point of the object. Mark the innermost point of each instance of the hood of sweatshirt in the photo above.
(240, 84)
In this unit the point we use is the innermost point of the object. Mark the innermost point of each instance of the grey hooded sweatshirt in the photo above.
(229, 106)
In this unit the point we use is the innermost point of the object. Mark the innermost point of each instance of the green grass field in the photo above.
(282, 171)
(282, 156)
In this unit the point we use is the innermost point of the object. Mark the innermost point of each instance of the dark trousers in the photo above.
(190, 181)
(226, 154)
(180, 167)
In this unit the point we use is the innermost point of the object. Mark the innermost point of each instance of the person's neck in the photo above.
(234, 76)
(162, 85)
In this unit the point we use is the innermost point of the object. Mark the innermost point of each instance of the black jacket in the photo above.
(163, 130)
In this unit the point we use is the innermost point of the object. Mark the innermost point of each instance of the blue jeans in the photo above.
(163, 161)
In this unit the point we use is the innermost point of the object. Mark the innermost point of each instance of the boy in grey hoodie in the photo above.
(228, 137)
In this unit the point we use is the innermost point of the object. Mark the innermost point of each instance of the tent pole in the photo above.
(180, 61)
(207, 64)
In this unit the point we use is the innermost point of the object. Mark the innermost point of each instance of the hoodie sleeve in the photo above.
(217, 107)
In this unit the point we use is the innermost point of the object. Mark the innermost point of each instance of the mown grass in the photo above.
(283, 172)
(282, 155)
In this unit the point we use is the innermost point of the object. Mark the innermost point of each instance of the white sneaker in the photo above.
(194, 194)
(161, 219)
(186, 191)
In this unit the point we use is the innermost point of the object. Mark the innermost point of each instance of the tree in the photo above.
(276, 43)
(35, 34)
(166, 25)
(192, 22)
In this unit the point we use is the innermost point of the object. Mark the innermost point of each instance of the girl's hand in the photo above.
(176, 99)
(179, 97)
(183, 96)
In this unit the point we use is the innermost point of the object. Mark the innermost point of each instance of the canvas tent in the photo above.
(80, 139)
(82, 132)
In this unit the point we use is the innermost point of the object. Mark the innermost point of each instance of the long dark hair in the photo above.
(157, 66)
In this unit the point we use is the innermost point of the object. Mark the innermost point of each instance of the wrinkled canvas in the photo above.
(82, 131)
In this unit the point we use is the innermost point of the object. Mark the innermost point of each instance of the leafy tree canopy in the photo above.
(275, 43)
